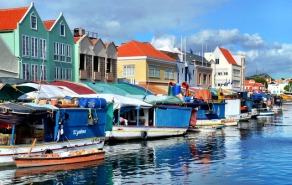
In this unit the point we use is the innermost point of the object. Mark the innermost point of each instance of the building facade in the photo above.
(140, 63)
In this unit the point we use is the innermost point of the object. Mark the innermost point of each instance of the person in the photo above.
(123, 120)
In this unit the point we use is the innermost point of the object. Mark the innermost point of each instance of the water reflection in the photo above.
(247, 154)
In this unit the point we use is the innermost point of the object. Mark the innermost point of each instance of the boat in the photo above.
(208, 112)
(212, 128)
(264, 112)
(55, 128)
(49, 159)
(144, 116)
(286, 96)
(157, 122)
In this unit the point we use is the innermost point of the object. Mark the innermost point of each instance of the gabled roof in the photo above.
(49, 23)
(228, 56)
(135, 49)
(10, 17)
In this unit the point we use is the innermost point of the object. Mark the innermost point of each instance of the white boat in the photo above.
(143, 132)
(263, 112)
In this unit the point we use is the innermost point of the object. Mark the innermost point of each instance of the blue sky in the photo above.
(259, 28)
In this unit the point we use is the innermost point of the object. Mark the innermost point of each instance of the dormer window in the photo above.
(33, 21)
(62, 29)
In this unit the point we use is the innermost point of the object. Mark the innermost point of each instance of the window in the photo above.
(56, 51)
(204, 79)
(63, 73)
(154, 71)
(33, 21)
(236, 72)
(34, 72)
(25, 71)
(217, 61)
(95, 63)
(57, 73)
(68, 53)
(225, 73)
(43, 72)
(25, 45)
(168, 73)
(43, 45)
(69, 74)
(108, 65)
(62, 52)
(34, 47)
(129, 70)
(62, 29)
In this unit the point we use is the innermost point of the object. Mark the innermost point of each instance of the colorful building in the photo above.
(95, 60)
(44, 49)
(140, 63)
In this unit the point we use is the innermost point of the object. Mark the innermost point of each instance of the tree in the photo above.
(288, 87)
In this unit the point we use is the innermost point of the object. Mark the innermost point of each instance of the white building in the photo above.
(228, 70)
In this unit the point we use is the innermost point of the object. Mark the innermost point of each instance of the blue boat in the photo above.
(56, 129)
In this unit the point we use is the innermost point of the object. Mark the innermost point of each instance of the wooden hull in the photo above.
(143, 132)
(52, 159)
(7, 152)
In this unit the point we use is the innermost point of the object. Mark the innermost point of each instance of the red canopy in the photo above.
(76, 87)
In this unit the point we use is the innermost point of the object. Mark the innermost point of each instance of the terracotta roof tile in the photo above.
(135, 49)
(48, 24)
(228, 56)
(10, 17)
(76, 39)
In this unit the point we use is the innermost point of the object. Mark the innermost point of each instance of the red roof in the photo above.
(48, 24)
(228, 56)
(76, 39)
(77, 88)
(10, 17)
(135, 49)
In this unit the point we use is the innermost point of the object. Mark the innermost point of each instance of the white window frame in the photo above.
(25, 71)
(69, 53)
(43, 46)
(57, 73)
(168, 73)
(34, 47)
(25, 45)
(62, 29)
(56, 51)
(34, 72)
(154, 71)
(43, 71)
(62, 52)
(129, 70)
(69, 74)
(33, 21)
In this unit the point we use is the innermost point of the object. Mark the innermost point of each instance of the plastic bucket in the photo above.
(176, 89)
(96, 103)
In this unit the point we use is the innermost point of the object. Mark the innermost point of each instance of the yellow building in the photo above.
(140, 63)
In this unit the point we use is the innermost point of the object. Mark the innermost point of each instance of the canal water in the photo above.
(255, 152)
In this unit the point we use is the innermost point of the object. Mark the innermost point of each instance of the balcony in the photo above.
(109, 76)
(96, 76)
(82, 75)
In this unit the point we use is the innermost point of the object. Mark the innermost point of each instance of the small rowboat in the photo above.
(78, 156)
